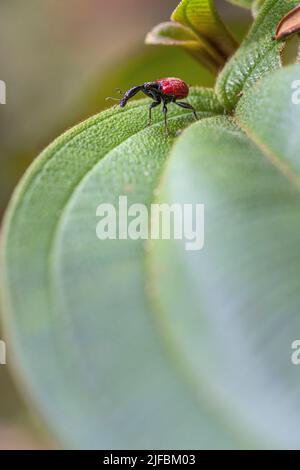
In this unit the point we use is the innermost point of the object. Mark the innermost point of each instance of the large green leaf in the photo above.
(231, 311)
(122, 345)
(258, 55)
(83, 336)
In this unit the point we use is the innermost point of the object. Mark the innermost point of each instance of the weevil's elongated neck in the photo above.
(129, 94)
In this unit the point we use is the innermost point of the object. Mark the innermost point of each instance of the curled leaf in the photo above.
(196, 27)
(172, 33)
(202, 17)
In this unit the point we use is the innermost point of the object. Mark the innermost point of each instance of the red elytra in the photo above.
(173, 86)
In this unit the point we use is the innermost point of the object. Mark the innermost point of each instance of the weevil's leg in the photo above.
(152, 105)
(165, 111)
(184, 105)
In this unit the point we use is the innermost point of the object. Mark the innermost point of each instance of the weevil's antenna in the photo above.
(116, 99)
(113, 99)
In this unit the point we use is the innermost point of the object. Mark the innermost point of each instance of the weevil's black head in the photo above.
(149, 86)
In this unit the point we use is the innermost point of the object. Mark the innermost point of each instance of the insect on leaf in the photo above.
(70, 308)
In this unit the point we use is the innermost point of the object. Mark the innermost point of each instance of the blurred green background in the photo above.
(59, 61)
